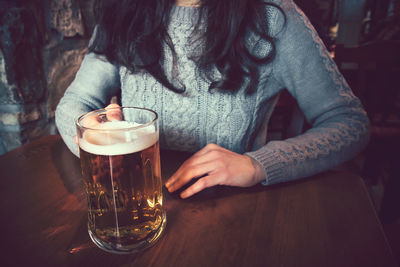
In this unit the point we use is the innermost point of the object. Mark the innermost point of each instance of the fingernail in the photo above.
(170, 189)
(184, 194)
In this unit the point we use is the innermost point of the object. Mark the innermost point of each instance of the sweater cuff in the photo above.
(273, 166)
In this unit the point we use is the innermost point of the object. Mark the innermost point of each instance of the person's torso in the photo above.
(190, 120)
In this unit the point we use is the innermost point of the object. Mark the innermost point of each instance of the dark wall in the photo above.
(42, 44)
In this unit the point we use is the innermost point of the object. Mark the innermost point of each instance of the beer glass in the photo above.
(120, 162)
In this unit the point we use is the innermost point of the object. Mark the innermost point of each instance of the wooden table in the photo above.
(326, 220)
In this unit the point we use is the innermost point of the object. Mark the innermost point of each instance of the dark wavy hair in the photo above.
(132, 33)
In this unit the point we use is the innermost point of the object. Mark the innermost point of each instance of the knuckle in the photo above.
(191, 173)
(214, 153)
(211, 146)
(221, 165)
(224, 176)
(189, 163)
(112, 106)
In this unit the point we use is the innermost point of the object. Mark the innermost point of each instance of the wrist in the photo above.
(259, 171)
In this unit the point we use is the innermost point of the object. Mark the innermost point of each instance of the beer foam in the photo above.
(115, 125)
(111, 143)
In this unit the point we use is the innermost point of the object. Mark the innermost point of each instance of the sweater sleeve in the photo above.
(96, 81)
(340, 126)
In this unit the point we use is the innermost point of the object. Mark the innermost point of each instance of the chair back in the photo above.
(373, 72)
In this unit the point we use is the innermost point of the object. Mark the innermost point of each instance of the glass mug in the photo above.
(120, 160)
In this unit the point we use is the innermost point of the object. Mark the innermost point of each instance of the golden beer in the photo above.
(122, 177)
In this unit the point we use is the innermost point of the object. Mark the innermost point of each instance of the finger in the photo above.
(187, 164)
(113, 105)
(184, 168)
(113, 112)
(185, 177)
(90, 121)
(201, 184)
(191, 167)
(188, 174)
(206, 154)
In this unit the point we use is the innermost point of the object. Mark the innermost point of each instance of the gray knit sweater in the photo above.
(236, 121)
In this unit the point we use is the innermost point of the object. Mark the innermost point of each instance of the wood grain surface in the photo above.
(325, 220)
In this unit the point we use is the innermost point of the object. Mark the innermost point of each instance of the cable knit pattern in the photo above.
(331, 67)
(236, 121)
